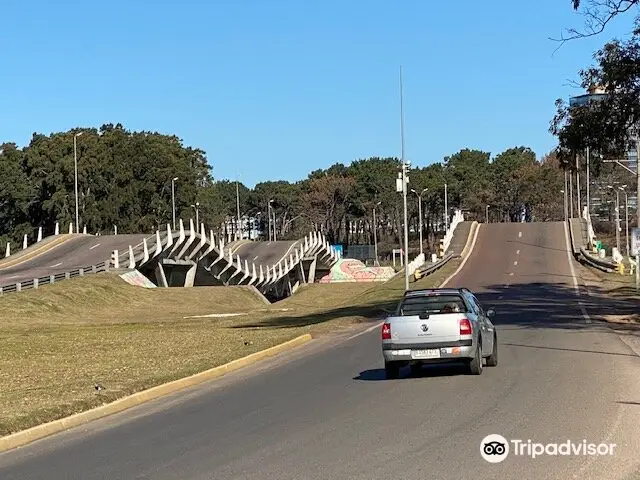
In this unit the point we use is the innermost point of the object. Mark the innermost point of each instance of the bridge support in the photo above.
(161, 278)
(178, 273)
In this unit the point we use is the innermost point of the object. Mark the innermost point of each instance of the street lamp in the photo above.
(173, 200)
(75, 164)
(487, 213)
(375, 234)
(626, 215)
(196, 208)
(564, 195)
(419, 195)
(617, 215)
(446, 208)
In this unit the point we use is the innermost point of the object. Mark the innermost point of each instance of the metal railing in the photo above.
(50, 279)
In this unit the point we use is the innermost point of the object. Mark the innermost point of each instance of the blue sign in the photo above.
(339, 249)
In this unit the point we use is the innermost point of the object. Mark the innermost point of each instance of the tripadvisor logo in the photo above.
(495, 448)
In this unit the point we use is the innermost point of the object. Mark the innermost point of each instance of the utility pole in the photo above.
(487, 213)
(571, 195)
(446, 208)
(566, 193)
(626, 217)
(419, 195)
(588, 198)
(239, 221)
(638, 178)
(75, 164)
(405, 181)
(269, 215)
(173, 200)
(375, 234)
(578, 187)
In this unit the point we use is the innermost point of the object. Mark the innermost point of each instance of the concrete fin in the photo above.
(169, 236)
(145, 249)
(132, 260)
(57, 230)
(158, 244)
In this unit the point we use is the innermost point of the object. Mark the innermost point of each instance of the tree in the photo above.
(598, 14)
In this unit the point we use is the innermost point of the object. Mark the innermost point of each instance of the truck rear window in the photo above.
(431, 304)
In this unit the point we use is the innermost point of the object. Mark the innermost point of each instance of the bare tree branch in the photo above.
(598, 14)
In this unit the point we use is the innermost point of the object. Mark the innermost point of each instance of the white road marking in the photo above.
(364, 331)
(511, 274)
(91, 248)
(583, 310)
(515, 263)
(12, 276)
(56, 265)
(517, 252)
(519, 234)
(255, 258)
(473, 244)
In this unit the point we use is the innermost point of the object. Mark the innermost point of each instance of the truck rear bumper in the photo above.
(428, 352)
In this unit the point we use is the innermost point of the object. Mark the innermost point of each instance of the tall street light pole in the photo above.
(419, 195)
(196, 207)
(626, 216)
(375, 234)
(588, 197)
(405, 181)
(75, 163)
(173, 200)
(239, 221)
(269, 215)
(446, 208)
(617, 215)
(487, 213)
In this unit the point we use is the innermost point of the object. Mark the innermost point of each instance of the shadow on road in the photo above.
(521, 305)
(569, 349)
(432, 371)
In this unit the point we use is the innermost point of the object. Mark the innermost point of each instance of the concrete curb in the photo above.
(467, 246)
(40, 431)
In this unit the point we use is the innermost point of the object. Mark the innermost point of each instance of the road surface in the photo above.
(329, 413)
(76, 252)
(266, 254)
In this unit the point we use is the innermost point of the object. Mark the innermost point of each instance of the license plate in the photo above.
(431, 353)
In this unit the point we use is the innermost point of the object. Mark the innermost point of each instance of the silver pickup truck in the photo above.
(438, 326)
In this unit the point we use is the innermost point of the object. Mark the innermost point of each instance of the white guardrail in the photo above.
(196, 247)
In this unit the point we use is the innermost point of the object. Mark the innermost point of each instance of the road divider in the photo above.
(30, 435)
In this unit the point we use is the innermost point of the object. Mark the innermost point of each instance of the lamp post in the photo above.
(196, 208)
(75, 164)
(588, 192)
(446, 208)
(419, 195)
(239, 220)
(617, 215)
(375, 234)
(487, 213)
(173, 200)
(564, 207)
(626, 216)
(269, 216)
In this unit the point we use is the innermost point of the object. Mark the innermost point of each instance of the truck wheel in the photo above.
(475, 365)
(492, 360)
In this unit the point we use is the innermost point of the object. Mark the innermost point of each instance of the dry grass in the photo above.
(62, 339)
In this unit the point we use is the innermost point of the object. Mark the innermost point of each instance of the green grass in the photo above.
(61, 339)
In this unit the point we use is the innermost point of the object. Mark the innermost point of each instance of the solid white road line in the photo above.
(91, 248)
(583, 310)
(464, 261)
(364, 331)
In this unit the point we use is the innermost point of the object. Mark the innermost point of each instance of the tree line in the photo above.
(125, 179)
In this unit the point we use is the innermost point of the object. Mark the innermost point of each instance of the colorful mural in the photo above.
(351, 270)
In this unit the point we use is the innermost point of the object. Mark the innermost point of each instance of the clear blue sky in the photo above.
(273, 89)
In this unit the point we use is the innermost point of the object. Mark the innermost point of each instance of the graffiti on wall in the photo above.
(351, 270)
(134, 277)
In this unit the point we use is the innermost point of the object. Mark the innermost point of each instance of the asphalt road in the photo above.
(76, 252)
(265, 253)
(328, 413)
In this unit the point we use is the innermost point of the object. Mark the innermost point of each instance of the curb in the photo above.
(471, 243)
(38, 432)
(465, 251)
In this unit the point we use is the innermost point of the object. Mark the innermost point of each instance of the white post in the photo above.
(8, 252)
(24, 242)
(57, 230)
(39, 234)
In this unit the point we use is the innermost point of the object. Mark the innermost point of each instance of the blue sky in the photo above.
(274, 89)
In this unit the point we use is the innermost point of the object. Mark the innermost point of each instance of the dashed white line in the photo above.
(96, 245)
(255, 258)
(516, 262)
(56, 265)
(511, 274)
(517, 252)
(519, 234)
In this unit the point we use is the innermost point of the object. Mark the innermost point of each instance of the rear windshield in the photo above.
(431, 304)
